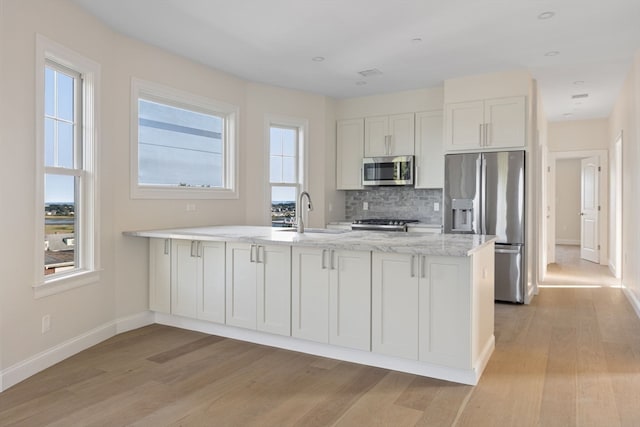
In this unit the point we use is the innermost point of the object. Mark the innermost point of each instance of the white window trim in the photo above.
(167, 95)
(89, 271)
(303, 162)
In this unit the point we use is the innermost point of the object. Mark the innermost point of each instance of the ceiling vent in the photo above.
(579, 95)
(370, 73)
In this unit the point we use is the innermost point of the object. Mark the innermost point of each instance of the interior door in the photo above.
(589, 211)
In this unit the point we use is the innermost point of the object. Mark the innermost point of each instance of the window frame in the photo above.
(85, 169)
(156, 92)
(302, 126)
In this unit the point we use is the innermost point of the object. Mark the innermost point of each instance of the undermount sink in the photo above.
(313, 230)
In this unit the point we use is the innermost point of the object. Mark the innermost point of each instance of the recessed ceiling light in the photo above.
(318, 58)
(371, 72)
(552, 53)
(578, 82)
(567, 114)
(546, 15)
(361, 83)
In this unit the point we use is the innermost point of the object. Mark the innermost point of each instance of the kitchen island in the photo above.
(418, 303)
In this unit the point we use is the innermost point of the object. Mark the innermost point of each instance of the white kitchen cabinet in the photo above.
(350, 150)
(395, 305)
(389, 135)
(258, 284)
(160, 275)
(429, 161)
(445, 310)
(486, 124)
(331, 294)
(197, 279)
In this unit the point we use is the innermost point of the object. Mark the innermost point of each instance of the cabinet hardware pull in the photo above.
(258, 258)
(412, 266)
(480, 135)
(251, 256)
(422, 268)
(323, 264)
(486, 134)
(192, 252)
(199, 250)
(166, 246)
(331, 264)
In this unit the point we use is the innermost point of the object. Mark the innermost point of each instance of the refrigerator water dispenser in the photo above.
(462, 214)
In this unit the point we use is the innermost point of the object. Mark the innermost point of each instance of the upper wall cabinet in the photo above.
(485, 125)
(389, 135)
(429, 154)
(350, 150)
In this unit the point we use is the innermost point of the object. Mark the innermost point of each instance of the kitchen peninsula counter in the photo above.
(412, 302)
(377, 241)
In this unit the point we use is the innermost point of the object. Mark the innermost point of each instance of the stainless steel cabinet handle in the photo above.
(260, 259)
(167, 245)
(423, 261)
(480, 135)
(193, 250)
(199, 249)
(251, 255)
(412, 265)
(322, 261)
(331, 263)
(486, 134)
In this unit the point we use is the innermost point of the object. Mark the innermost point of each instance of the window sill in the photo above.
(150, 192)
(64, 283)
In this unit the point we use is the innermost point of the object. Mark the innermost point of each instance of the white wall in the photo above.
(578, 135)
(568, 201)
(410, 101)
(625, 118)
(122, 290)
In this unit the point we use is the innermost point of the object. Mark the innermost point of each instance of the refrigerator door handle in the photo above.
(483, 196)
(507, 251)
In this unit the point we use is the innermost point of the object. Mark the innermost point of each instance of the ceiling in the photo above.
(413, 43)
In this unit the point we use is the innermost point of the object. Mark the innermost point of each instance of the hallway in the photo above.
(570, 270)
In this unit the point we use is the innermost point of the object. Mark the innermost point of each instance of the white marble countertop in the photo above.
(378, 241)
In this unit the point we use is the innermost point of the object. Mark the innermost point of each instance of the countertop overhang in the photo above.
(377, 241)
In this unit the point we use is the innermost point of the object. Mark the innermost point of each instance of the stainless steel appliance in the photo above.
(392, 170)
(484, 193)
(382, 224)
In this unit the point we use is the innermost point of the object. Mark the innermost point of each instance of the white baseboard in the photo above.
(568, 242)
(43, 360)
(459, 375)
(633, 299)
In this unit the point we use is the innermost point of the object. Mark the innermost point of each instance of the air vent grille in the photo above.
(371, 72)
(579, 95)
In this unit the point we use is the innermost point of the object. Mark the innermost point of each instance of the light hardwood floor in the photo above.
(569, 269)
(571, 358)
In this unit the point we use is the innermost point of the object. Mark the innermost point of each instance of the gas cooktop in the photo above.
(382, 224)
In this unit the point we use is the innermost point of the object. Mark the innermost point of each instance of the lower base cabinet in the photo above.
(422, 307)
(258, 285)
(331, 296)
(198, 279)
(160, 275)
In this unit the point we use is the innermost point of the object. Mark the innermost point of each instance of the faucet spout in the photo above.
(299, 221)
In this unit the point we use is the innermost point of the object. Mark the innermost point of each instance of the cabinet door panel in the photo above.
(310, 294)
(402, 131)
(184, 278)
(350, 150)
(429, 152)
(395, 305)
(445, 308)
(274, 289)
(505, 119)
(464, 122)
(211, 301)
(160, 275)
(350, 304)
(241, 286)
(376, 130)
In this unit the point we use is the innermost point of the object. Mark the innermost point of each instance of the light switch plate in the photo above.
(436, 207)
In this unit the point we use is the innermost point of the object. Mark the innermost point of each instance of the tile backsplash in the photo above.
(394, 202)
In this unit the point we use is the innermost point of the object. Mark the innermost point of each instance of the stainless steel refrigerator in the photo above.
(484, 193)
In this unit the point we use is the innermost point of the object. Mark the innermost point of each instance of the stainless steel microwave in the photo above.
(391, 170)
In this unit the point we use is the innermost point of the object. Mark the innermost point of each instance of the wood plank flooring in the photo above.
(572, 358)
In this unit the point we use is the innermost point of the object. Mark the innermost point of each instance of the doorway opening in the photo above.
(578, 224)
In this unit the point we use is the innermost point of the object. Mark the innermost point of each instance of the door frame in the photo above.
(554, 156)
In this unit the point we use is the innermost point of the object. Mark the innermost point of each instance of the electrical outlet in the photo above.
(365, 206)
(46, 323)
(436, 207)
(191, 207)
